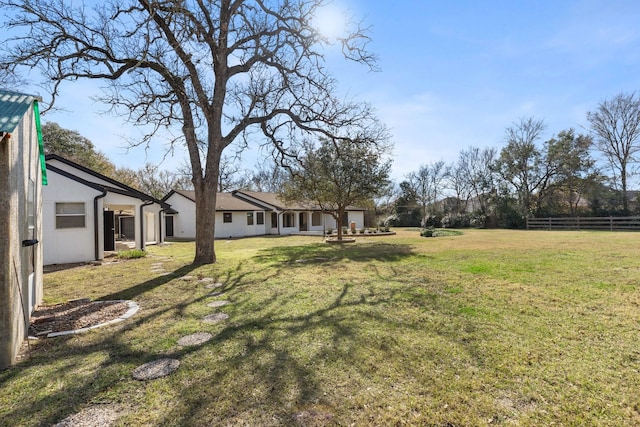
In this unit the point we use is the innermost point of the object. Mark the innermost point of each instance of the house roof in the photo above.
(273, 201)
(115, 187)
(224, 201)
(13, 106)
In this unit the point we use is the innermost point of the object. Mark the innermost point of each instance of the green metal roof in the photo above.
(13, 106)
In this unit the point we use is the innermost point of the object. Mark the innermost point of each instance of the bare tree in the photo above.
(521, 162)
(427, 185)
(616, 127)
(265, 176)
(475, 166)
(214, 69)
(228, 178)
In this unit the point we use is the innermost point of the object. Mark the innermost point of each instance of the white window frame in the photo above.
(61, 215)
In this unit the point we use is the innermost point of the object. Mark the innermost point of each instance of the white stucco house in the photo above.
(250, 213)
(21, 177)
(85, 213)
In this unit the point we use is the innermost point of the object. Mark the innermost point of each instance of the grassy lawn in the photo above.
(491, 327)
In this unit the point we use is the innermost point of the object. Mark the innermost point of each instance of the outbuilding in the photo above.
(86, 214)
(21, 177)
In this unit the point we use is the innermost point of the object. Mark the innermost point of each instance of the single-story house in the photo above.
(21, 178)
(249, 213)
(85, 213)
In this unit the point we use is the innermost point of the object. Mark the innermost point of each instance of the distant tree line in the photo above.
(571, 174)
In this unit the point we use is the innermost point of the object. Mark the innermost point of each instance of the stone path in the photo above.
(156, 369)
(162, 367)
(104, 415)
(195, 339)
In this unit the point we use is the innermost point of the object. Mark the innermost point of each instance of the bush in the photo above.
(427, 232)
(132, 253)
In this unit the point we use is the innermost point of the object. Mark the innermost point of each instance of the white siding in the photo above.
(238, 227)
(184, 222)
(67, 244)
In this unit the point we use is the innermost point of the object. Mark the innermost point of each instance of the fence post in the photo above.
(610, 223)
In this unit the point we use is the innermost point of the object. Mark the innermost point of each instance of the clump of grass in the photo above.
(132, 254)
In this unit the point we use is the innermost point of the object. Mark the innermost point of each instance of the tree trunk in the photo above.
(205, 195)
(339, 223)
(625, 201)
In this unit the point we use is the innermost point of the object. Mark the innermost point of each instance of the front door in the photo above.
(169, 225)
(109, 231)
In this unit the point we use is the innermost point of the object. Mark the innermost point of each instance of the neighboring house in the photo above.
(250, 213)
(85, 213)
(21, 178)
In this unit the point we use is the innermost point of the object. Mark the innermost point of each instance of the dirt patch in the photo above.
(74, 315)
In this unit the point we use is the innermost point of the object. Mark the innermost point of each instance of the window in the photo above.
(345, 219)
(274, 220)
(288, 220)
(226, 217)
(249, 218)
(316, 219)
(260, 218)
(70, 215)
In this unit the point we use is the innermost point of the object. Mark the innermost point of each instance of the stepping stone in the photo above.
(157, 270)
(206, 280)
(215, 294)
(217, 303)
(102, 415)
(156, 369)
(195, 339)
(215, 317)
(187, 277)
(156, 265)
(214, 285)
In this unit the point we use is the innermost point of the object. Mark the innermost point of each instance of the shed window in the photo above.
(70, 215)
(260, 218)
(226, 217)
(249, 218)
(274, 220)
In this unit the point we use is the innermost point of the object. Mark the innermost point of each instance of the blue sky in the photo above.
(453, 74)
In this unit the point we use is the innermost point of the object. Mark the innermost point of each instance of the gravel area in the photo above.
(74, 315)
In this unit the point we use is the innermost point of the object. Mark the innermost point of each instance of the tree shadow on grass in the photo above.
(265, 365)
(322, 253)
(133, 292)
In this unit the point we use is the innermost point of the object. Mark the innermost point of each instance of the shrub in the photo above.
(132, 253)
(427, 232)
